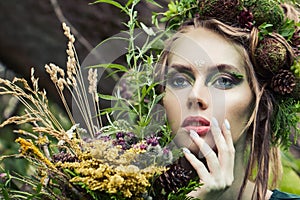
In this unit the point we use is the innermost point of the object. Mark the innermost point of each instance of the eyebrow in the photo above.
(219, 67)
(224, 67)
(180, 67)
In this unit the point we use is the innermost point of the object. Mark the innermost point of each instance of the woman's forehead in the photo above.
(203, 48)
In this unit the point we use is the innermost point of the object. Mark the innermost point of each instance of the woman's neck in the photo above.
(239, 174)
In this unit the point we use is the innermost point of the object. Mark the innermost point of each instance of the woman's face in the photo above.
(206, 78)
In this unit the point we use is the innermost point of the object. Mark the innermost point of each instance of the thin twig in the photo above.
(62, 18)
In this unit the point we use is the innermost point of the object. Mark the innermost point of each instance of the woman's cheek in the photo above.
(239, 114)
(173, 109)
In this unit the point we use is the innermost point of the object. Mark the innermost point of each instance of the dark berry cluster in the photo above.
(246, 19)
(64, 157)
(152, 140)
(125, 140)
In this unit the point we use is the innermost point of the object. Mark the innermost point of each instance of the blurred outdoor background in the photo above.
(31, 35)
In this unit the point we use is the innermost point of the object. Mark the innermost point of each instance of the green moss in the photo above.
(268, 11)
(271, 54)
(226, 11)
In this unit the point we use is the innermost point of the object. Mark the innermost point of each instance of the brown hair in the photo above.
(264, 157)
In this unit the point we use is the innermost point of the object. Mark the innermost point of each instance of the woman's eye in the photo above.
(178, 81)
(225, 81)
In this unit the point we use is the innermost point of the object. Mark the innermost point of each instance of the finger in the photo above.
(197, 165)
(226, 155)
(210, 156)
(227, 134)
(230, 154)
(225, 147)
(218, 136)
(204, 148)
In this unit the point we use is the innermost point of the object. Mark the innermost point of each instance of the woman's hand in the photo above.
(219, 174)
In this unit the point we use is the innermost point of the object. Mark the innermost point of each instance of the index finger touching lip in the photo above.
(217, 134)
(204, 148)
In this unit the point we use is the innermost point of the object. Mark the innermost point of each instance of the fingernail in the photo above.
(186, 150)
(193, 134)
(215, 122)
(227, 125)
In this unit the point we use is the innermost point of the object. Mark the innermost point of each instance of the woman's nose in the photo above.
(198, 97)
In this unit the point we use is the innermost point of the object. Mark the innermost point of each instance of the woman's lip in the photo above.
(200, 130)
(196, 123)
(189, 121)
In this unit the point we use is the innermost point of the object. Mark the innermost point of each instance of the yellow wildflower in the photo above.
(115, 182)
(29, 147)
(42, 140)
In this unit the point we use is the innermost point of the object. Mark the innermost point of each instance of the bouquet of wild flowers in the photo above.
(120, 160)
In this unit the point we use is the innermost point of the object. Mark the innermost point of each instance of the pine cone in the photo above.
(173, 179)
(283, 82)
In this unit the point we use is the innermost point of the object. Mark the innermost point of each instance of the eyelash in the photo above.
(228, 80)
(233, 80)
(175, 76)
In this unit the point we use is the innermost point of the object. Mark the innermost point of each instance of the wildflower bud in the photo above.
(143, 146)
(119, 135)
(3, 177)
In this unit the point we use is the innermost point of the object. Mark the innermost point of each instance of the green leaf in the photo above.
(285, 118)
(149, 31)
(5, 194)
(287, 29)
(106, 111)
(114, 3)
(39, 188)
(129, 2)
(146, 90)
(154, 3)
(108, 97)
(181, 194)
(70, 172)
(265, 29)
(158, 98)
(110, 66)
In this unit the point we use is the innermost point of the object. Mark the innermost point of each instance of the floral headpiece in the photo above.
(275, 56)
